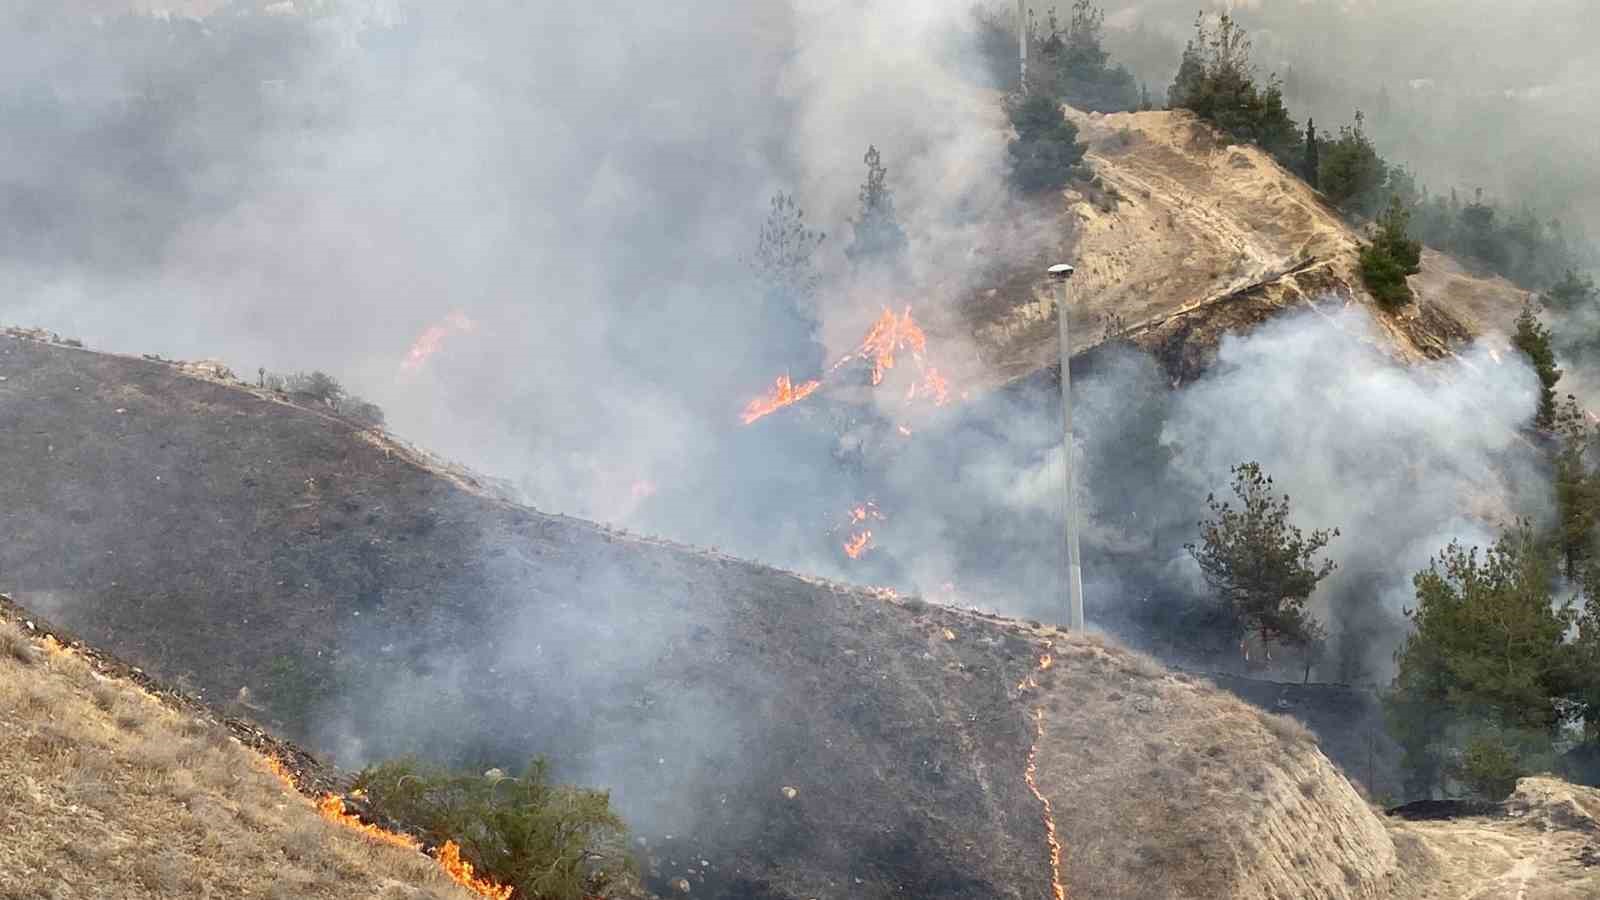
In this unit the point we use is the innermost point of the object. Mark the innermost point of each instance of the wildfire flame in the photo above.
(448, 856)
(783, 393)
(888, 336)
(858, 544)
(865, 511)
(429, 342)
(1058, 888)
(933, 385)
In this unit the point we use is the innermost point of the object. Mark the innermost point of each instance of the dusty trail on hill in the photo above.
(1547, 848)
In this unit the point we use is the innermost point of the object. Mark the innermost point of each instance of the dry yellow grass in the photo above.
(1166, 787)
(106, 792)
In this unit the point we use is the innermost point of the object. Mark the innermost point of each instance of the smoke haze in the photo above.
(583, 183)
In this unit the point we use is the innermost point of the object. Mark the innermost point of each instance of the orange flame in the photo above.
(889, 335)
(936, 386)
(431, 339)
(865, 511)
(460, 871)
(331, 807)
(1058, 887)
(783, 393)
(858, 544)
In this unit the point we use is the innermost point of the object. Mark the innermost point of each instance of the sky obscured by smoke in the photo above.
(584, 182)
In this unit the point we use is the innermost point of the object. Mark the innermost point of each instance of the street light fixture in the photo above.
(1060, 274)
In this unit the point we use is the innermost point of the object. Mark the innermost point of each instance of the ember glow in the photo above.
(783, 393)
(429, 342)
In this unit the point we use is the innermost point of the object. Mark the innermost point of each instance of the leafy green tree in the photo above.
(1351, 174)
(1046, 152)
(1261, 567)
(1391, 257)
(1576, 488)
(878, 236)
(1533, 339)
(1488, 652)
(549, 841)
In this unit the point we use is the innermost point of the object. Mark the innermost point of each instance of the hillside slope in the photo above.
(768, 735)
(1186, 237)
(107, 792)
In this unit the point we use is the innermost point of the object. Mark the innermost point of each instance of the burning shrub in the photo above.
(550, 842)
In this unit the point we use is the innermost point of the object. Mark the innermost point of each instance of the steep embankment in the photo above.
(770, 736)
(1185, 237)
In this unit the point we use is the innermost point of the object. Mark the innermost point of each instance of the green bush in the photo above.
(551, 842)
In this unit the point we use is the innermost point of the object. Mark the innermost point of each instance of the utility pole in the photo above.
(1060, 274)
(1022, 47)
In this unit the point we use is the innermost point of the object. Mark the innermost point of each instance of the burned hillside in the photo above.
(794, 734)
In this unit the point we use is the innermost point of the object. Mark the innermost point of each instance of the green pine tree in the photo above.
(1533, 339)
(1391, 256)
(1046, 153)
(878, 236)
(1262, 568)
(1480, 675)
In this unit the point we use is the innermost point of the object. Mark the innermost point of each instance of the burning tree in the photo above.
(1262, 568)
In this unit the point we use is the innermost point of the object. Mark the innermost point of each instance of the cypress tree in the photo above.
(1310, 165)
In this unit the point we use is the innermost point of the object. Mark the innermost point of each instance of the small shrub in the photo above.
(317, 386)
(549, 841)
(1288, 729)
(16, 645)
(362, 411)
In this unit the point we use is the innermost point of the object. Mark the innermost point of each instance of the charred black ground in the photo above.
(224, 540)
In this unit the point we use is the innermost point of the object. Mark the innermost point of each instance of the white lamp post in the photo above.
(1060, 274)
